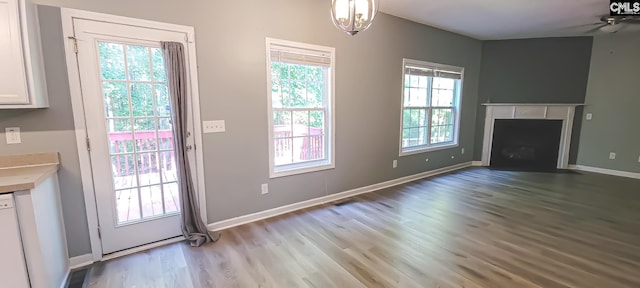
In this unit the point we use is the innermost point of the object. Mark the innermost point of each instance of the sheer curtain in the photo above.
(193, 228)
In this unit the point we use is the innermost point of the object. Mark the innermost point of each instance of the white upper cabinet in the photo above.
(22, 80)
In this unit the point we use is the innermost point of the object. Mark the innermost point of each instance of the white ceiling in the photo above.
(505, 19)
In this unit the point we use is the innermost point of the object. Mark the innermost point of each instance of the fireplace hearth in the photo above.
(526, 144)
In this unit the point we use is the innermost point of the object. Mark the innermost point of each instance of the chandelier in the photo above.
(353, 16)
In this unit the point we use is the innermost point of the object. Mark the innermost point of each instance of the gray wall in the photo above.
(52, 130)
(614, 98)
(231, 61)
(543, 70)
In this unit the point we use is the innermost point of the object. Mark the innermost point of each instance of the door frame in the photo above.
(77, 103)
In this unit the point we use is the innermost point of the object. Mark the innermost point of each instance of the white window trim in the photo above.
(456, 129)
(306, 167)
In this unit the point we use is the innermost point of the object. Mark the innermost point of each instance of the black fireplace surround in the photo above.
(526, 144)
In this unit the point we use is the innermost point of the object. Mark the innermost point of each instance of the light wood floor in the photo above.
(471, 228)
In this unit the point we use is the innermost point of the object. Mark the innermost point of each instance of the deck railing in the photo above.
(310, 146)
(150, 161)
(147, 145)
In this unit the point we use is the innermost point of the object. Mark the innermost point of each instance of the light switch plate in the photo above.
(13, 135)
(589, 116)
(215, 126)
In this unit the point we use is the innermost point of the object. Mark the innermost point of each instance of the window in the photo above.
(300, 91)
(430, 106)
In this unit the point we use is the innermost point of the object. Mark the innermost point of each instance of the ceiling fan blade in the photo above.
(595, 29)
(633, 20)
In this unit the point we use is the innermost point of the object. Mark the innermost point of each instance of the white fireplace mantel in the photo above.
(551, 111)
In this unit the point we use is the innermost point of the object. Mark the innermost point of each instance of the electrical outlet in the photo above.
(453, 157)
(589, 116)
(426, 160)
(462, 152)
(395, 164)
(13, 135)
(216, 126)
(264, 188)
(612, 155)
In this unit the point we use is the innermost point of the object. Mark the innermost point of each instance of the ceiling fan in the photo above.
(612, 24)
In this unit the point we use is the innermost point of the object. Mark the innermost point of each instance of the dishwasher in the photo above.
(13, 270)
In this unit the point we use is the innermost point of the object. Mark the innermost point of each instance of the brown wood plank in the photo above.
(471, 228)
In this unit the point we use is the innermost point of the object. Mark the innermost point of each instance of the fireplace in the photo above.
(523, 146)
(526, 144)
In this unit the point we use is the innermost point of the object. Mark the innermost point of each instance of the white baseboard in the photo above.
(605, 171)
(80, 261)
(476, 163)
(237, 221)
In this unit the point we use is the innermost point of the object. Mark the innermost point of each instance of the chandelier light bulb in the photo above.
(353, 16)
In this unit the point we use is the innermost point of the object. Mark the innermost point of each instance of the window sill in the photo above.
(418, 150)
(293, 169)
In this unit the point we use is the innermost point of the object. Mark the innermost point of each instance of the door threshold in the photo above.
(141, 248)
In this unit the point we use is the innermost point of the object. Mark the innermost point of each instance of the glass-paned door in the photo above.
(138, 121)
(128, 117)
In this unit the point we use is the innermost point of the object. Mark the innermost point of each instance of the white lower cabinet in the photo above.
(42, 232)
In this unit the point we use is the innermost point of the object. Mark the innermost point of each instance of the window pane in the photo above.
(299, 151)
(448, 133)
(282, 124)
(296, 85)
(422, 139)
(148, 172)
(151, 198)
(436, 134)
(116, 99)
(300, 123)
(441, 134)
(123, 170)
(288, 92)
(314, 147)
(111, 61)
(168, 166)
(406, 118)
(299, 93)
(120, 136)
(283, 152)
(443, 83)
(417, 117)
(171, 197)
(414, 81)
(159, 75)
(138, 64)
(417, 97)
(142, 99)
(413, 137)
(163, 104)
(442, 98)
(276, 94)
(422, 81)
(316, 122)
(314, 94)
(128, 205)
(442, 116)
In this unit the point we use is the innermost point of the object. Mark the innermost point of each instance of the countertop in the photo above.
(25, 172)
